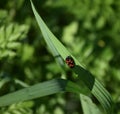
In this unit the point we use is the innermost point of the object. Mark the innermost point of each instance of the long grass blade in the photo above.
(93, 84)
(35, 91)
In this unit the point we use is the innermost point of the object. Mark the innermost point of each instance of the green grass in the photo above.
(61, 85)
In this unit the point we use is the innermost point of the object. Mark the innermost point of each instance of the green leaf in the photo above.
(88, 106)
(39, 90)
(35, 91)
(93, 84)
(10, 36)
(13, 45)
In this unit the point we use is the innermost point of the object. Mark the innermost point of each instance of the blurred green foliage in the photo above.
(89, 29)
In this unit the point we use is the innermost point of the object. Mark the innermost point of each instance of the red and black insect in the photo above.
(69, 61)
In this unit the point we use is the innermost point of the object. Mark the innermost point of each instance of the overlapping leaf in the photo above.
(93, 84)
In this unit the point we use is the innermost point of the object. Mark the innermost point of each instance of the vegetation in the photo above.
(88, 29)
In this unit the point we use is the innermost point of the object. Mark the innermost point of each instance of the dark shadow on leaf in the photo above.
(85, 75)
(62, 83)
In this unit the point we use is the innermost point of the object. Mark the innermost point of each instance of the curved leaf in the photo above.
(93, 84)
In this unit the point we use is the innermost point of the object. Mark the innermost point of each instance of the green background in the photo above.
(89, 29)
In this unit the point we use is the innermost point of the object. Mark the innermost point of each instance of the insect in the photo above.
(69, 61)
